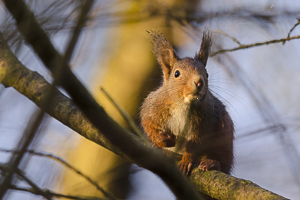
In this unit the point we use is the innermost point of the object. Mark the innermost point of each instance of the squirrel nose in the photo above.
(198, 84)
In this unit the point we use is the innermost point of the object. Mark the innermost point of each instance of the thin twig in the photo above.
(233, 38)
(31, 190)
(254, 45)
(60, 160)
(25, 141)
(35, 187)
(298, 22)
(58, 70)
(125, 116)
(82, 19)
(32, 184)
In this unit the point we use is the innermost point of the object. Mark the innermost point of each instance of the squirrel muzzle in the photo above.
(196, 89)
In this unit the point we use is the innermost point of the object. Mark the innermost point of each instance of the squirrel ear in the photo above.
(164, 52)
(203, 54)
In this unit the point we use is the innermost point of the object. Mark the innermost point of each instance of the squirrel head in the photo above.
(185, 79)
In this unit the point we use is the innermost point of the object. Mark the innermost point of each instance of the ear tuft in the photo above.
(203, 54)
(163, 50)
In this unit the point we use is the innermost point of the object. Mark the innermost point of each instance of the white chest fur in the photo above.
(179, 122)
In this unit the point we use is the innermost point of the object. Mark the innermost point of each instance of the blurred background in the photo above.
(259, 86)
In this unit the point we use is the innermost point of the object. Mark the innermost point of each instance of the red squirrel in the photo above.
(184, 112)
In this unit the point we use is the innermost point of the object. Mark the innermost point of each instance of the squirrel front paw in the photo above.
(164, 139)
(185, 167)
(208, 164)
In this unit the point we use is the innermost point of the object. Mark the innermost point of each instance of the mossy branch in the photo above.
(222, 186)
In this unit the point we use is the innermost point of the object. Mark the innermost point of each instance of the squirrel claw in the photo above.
(185, 168)
(166, 139)
(208, 164)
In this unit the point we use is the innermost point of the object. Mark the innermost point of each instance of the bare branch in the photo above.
(125, 116)
(23, 144)
(233, 38)
(254, 45)
(35, 187)
(157, 9)
(66, 164)
(77, 30)
(298, 22)
(13, 187)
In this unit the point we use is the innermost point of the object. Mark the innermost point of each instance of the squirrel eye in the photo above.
(177, 73)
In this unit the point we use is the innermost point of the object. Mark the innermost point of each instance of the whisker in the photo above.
(228, 92)
(225, 100)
